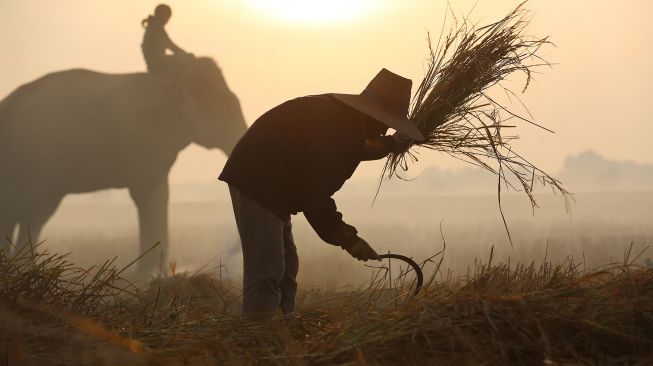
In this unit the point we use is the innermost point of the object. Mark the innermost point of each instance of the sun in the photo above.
(315, 11)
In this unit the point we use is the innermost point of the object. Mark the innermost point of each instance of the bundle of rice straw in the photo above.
(453, 110)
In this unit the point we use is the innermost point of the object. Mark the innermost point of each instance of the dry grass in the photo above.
(54, 313)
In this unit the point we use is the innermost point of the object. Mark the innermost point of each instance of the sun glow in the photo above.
(315, 11)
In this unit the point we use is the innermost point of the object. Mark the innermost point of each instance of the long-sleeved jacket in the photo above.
(297, 155)
(155, 43)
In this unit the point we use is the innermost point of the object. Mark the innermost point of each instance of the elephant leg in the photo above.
(8, 222)
(152, 204)
(35, 214)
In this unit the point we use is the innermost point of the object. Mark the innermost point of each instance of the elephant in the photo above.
(79, 131)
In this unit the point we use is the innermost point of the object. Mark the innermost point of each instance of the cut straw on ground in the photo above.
(499, 314)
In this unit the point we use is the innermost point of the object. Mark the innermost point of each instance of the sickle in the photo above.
(418, 270)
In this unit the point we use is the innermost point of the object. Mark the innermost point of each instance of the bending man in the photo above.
(293, 159)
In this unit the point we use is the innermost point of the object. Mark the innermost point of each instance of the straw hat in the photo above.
(386, 99)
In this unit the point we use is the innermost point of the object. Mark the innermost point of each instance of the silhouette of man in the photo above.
(293, 159)
(156, 41)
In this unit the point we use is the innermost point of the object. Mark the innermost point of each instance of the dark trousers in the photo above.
(269, 257)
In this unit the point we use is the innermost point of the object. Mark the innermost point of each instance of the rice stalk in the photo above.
(454, 109)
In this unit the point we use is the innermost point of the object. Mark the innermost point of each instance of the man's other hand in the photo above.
(362, 251)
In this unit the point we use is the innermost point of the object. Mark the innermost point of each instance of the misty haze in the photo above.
(335, 182)
(613, 207)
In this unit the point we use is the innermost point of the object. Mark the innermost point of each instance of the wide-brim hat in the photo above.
(386, 99)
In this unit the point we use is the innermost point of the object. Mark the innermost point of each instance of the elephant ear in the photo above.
(190, 91)
(212, 108)
(190, 110)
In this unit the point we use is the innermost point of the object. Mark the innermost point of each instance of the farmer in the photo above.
(156, 41)
(293, 159)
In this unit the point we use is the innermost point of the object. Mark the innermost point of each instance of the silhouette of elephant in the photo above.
(80, 131)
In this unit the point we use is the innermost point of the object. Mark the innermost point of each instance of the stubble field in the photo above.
(571, 290)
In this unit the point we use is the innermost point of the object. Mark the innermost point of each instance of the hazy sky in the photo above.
(595, 98)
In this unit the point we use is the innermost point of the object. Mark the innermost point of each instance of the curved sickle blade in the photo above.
(418, 271)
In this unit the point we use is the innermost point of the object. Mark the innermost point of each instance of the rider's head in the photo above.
(162, 13)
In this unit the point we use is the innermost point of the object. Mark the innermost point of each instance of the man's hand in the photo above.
(362, 251)
(402, 142)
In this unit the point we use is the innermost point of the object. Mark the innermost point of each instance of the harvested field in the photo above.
(500, 313)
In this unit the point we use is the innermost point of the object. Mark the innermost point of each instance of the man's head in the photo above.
(386, 99)
(162, 13)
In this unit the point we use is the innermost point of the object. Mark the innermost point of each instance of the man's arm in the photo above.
(327, 223)
(175, 49)
(380, 147)
(172, 46)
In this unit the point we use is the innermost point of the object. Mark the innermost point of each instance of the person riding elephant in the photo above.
(78, 131)
(156, 42)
